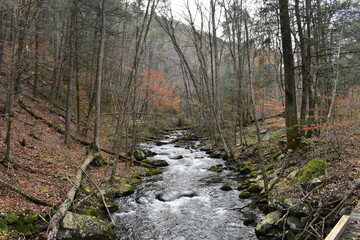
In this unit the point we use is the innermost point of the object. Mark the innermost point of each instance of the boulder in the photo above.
(268, 223)
(244, 195)
(217, 168)
(76, 226)
(139, 154)
(216, 154)
(245, 170)
(293, 223)
(152, 172)
(121, 191)
(159, 163)
(254, 188)
(226, 188)
(178, 157)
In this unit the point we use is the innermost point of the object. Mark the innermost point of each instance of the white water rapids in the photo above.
(184, 202)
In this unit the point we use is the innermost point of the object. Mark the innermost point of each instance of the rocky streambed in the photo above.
(195, 197)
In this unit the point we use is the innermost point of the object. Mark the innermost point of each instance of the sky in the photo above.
(179, 8)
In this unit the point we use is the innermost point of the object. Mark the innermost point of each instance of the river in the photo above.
(185, 201)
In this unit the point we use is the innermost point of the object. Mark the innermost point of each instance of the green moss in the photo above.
(254, 188)
(275, 155)
(270, 167)
(121, 191)
(153, 171)
(217, 168)
(254, 174)
(90, 211)
(312, 169)
(226, 188)
(244, 194)
(246, 169)
(99, 161)
(3, 227)
(24, 224)
(272, 232)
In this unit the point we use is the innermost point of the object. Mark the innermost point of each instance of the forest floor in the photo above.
(41, 164)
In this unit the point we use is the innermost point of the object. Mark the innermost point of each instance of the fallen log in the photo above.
(28, 196)
(54, 224)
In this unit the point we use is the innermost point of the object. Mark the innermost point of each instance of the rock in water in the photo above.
(268, 223)
(76, 226)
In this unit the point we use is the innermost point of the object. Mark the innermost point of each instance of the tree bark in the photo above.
(99, 75)
(292, 132)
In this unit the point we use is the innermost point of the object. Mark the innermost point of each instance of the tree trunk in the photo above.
(292, 132)
(99, 75)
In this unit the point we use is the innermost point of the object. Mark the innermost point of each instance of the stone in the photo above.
(293, 223)
(268, 223)
(244, 195)
(226, 188)
(249, 218)
(216, 154)
(254, 188)
(159, 163)
(76, 226)
(217, 168)
(246, 169)
(313, 169)
(293, 174)
(300, 210)
(178, 157)
(121, 191)
(139, 154)
(243, 186)
(152, 172)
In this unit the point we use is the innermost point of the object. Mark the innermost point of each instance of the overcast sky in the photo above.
(179, 8)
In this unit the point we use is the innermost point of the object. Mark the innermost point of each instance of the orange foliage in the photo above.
(163, 97)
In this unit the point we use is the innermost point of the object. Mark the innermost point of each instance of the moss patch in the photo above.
(226, 188)
(312, 169)
(254, 188)
(23, 223)
(244, 195)
(90, 211)
(217, 168)
(152, 171)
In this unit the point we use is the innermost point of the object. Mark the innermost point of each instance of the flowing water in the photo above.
(184, 202)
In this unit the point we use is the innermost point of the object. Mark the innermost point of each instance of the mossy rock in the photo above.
(152, 172)
(267, 224)
(3, 227)
(139, 154)
(75, 226)
(121, 191)
(245, 194)
(270, 167)
(90, 211)
(23, 223)
(255, 174)
(243, 186)
(276, 155)
(246, 169)
(254, 188)
(216, 168)
(226, 188)
(159, 163)
(113, 207)
(99, 161)
(216, 154)
(312, 169)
